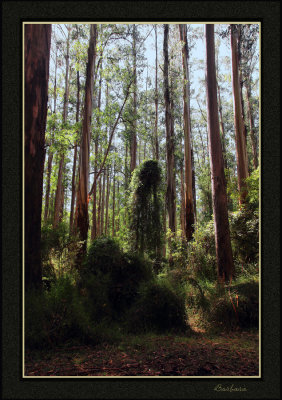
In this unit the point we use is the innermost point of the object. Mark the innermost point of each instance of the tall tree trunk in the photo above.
(94, 230)
(103, 202)
(170, 192)
(222, 128)
(37, 39)
(156, 97)
(189, 212)
(118, 208)
(182, 208)
(251, 124)
(133, 143)
(114, 204)
(82, 192)
(125, 166)
(241, 153)
(107, 201)
(50, 155)
(73, 188)
(59, 199)
(99, 230)
(241, 87)
(222, 235)
(48, 185)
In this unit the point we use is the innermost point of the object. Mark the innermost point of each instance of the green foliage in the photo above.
(234, 307)
(145, 207)
(178, 249)
(58, 251)
(201, 253)
(157, 309)
(112, 278)
(253, 189)
(54, 316)
(244, 231)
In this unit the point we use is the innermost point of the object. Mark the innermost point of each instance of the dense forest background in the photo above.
(141, 180)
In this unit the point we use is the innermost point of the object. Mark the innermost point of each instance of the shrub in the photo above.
(58, 251)
(55, 316)
(201, 253)
(36, 334)
(237, 307)
(158, 308)
(112, 278)
(244, 230)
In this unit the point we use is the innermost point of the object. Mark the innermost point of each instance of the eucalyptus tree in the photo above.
(59, 198)
(170, 191)
(225, 265)
(241, 151)
(188, 198)
(82, 222)
(37, 40)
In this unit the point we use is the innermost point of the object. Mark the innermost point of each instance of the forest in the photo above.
(141, 199)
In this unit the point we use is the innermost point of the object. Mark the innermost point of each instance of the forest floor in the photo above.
(232, 354)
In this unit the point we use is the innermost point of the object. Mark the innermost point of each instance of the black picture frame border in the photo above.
(13, 14)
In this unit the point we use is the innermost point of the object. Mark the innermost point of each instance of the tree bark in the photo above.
(133, 143)
(251, 125)
(59, 198)
(82, 192)
(107, 201)
(182, 208)
(156, 97)
(37, 39)
(48, 185)
(103, 202)
(73, 186)
(225, 266)
(170, 192)
(50, 155)
(189, 212)
(114, 203)
(241, 153)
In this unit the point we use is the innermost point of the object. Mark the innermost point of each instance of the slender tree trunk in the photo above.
(189, 212)
(107, 202)
(222, 127)
(251, 123)
(73, 187)
(182, 208)
(114, 203)
(222, 235)
(99, 207)
(48, 185)
(241, 88)
(156, 97)
(133, 144)
(170, 192)
(125, 165)
(37, 39)
(194, 186)
(82, 192)
(241, 153)
(59, 199)
(118, 208)
(50, 155)
(94, 230)
(103, 202)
